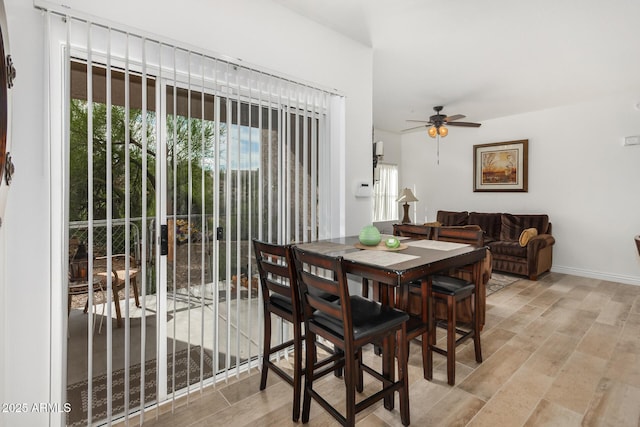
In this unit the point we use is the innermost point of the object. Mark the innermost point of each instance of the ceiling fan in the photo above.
(439, 123)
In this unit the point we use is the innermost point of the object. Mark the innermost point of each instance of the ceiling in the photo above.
(487, 59)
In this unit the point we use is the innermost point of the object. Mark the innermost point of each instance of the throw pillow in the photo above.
(511, 228)
(526, 235)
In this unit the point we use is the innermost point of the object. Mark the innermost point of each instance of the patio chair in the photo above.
(79, 285)
(118, 273)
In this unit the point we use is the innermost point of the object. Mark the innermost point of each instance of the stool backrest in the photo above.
(460, 235)
(321, 280)
(277, 273)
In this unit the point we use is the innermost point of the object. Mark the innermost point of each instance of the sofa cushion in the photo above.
(537, 221)
(490, 223)
(450, 218)
(513, 225)
(511, 228)
(503, 248)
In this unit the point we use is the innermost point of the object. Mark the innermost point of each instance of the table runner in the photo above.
(436, 244)
(325, 247)
(381, 258)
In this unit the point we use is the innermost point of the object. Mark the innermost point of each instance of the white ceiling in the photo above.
(487, 59)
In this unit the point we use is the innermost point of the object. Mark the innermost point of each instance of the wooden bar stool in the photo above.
(280, 297)
(451, 290)
(349, 324)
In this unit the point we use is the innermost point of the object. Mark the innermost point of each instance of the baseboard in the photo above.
(611, 277)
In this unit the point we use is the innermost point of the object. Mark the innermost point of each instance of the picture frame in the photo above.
(501, 166)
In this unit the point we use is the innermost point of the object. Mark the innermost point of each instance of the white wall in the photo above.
(25, 339)
(580, 174)
(392, 145)
(260, 33)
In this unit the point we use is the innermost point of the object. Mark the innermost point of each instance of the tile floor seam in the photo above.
(555, 377)
(196, 402)
(533, 409)
(547, 388)
(585, 335)
(506, 382)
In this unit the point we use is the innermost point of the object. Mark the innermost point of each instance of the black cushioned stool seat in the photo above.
(447, 285)
(369, 318)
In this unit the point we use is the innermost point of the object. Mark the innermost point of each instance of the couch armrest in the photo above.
(538, 242)
(539, 254)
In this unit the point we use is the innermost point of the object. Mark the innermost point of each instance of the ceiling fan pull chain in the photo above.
(438, 150)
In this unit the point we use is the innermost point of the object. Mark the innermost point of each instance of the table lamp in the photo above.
(406, 196)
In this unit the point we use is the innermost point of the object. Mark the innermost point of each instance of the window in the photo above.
(385, 193)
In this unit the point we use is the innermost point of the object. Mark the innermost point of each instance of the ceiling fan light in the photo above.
(443, 131)
(432, 131)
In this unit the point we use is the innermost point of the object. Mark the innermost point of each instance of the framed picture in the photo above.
(501, 166)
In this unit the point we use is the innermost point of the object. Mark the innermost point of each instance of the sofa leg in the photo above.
(533, 277)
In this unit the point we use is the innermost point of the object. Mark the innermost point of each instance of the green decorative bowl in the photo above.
(392, 243)
(369, 236)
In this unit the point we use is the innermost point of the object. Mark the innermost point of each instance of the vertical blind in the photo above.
(156, 134)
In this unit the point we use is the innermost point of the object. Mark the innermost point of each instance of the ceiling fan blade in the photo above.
(464, 124)
(454, 117)
(419, 121)
(415, 127)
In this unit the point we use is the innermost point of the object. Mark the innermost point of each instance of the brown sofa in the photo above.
(502, 233)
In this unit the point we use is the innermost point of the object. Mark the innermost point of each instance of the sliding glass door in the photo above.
(172, 161)
(232, 175)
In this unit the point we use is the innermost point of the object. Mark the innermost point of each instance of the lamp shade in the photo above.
(443, 131)
(432, 131)
(406, 195)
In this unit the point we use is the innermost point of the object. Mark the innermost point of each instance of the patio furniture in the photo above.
(79, 285)
(79, 250)
(119, 273)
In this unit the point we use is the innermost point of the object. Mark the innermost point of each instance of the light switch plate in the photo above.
(632, 140)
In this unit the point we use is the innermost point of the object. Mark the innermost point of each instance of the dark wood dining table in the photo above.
(391, 271)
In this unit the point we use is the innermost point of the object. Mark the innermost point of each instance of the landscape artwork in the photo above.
(501, 166)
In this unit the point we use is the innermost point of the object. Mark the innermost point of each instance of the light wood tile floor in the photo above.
(562, 351)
